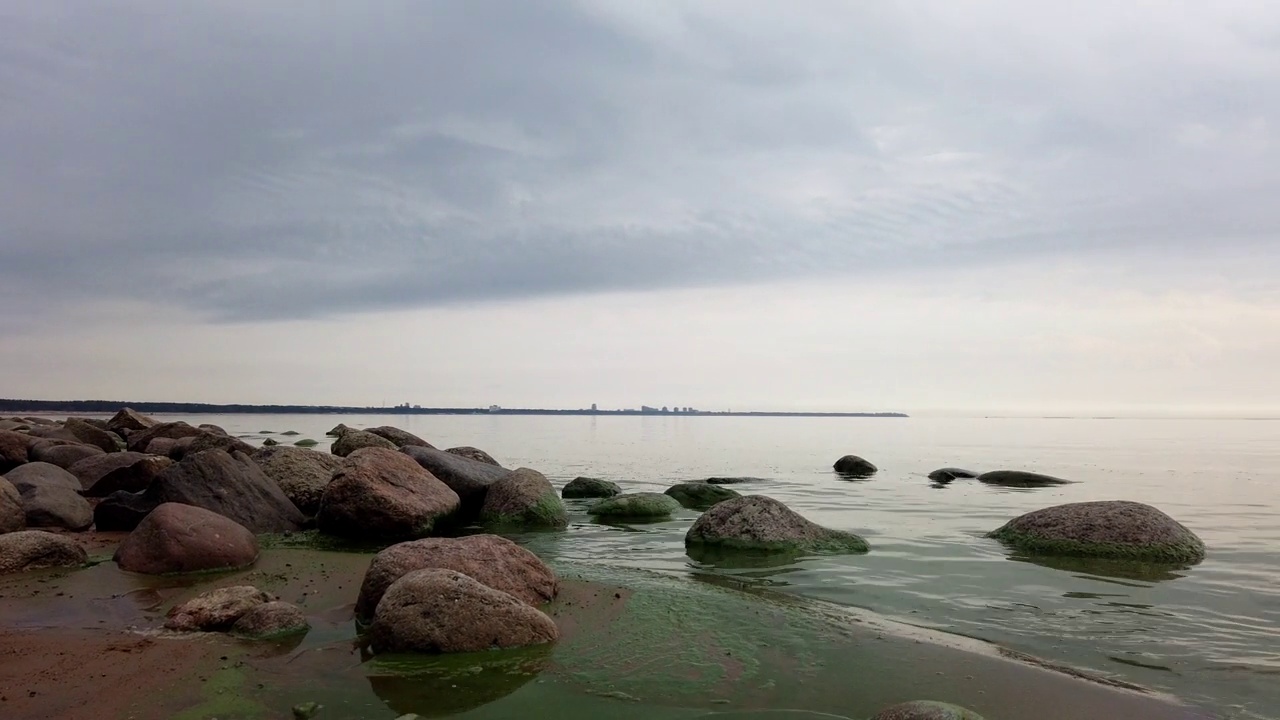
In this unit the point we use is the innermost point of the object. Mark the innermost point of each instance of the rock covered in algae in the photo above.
(443, 611)
(271, 620)
(525, 498)
(926, 710)
(641, 505)
(759, 523)
(587, 487)
(1117, 529)
(700, 496)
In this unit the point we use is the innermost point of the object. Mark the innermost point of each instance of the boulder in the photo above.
(946, 475)
(700, 496)
(926, 710)
(53, 432)
(96, 422)
(398, 437)
(102, 475)
(14, 425)
(854, 467)
(353, 440)
(122, 511)
(759, 523)
(300, 473)
(138, 441)
(585, 487)
(210, 427)
(1020, 479)
(178, 449)
(271, 620)
(474, 453)
(35, 549)
(162, 446)
(231, 485)
(42, 475)
(210, 441)
(217, 609)
(14, 447)
(338, 430)
(12, 517)
(524, 498)
(90, 434)
(1116, 529)
(492, 560)
(469, 478)
(636, 506)
(177, 538)
(54, 506)
(128, 421)
(381, 493)
(444, 611)
(64, 455)
(732, 480)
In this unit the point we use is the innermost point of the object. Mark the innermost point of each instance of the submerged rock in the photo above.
(443, 611)
(732, 480)
(12, 517)
(271, 620)
(636, 506)
(585, 487)
(102, 475)
(177, 538)
(490, 559)
(398, 437)
(946, 475)
(300, 473)
(42, 475)
(1117, 529)
(473, 453)
(381, 493)
(855, 467)
(36, 549)
(524, 498)
(926, 710)
(353, 440)
(1020, 479)
(759, 523)
(217, 609)
(700, 496)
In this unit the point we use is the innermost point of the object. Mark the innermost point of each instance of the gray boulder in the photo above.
(700, 496)
(398, 437)
(302, 474)
(946, 475)
(12, 517)
(122, 511)
(42, 475)
(523, 499)
(140, 440)
(1115, 529)
(129, 421)
(338, 430)
(210, 427)
(381, 493)
(102, 475)
(271, 620)
(854, 467)
(14, 450)
(64, 455)
(585, 487)
(51, 497)
(473, 453)
(470, 479)
(230, 485)
(35, 549)
(353, 440)
(209, 440)
(1020, 479)
(759, 523)
(177, 538)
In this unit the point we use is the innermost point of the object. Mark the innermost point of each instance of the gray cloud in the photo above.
(305, 159)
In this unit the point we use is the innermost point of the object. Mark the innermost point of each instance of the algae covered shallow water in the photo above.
(1210, 634)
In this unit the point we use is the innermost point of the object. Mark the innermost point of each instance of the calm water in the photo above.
(1209, 634)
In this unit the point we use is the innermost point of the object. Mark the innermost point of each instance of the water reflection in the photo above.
(729, 558)
(439, 686)
(1102, 569)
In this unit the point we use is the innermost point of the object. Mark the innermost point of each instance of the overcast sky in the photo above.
(950, 205)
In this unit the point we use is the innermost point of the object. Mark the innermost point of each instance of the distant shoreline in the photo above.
(111, 406)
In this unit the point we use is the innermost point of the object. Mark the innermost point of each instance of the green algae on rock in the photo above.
(926, 710)
(306, 443)
(1117, 529)
(635, 506)
(524, 499)
(758, 523)
(700, 496)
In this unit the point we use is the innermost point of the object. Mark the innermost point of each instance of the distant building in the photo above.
(494, 409)
(593, 407)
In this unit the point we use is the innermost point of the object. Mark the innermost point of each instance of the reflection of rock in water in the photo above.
(732, 558)
(438, 686)
(770, 715)
(1107, 568)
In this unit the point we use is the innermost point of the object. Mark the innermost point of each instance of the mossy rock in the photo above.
(700, 496)
(290, 432)
(1114, 529)
(586, 487)
(306, 442)
(755, 523)
(641, 505)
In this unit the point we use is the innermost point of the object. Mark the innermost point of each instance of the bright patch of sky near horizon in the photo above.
(979, 206)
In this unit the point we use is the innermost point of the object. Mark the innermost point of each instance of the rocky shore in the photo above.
(166, 540)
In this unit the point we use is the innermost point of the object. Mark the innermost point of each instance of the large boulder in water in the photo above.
(12, 517)
(102, 475)
(469, 478)
(302, 474)
(490, 559)
(1020, 479)
(700, 496)
(177, 538)
(443, 611)
(64, 455)
(381, 493)
(525, 498)
(140, 440)
(946, 475)
(353, 440)
(90, 434)
(14, 450)
(230, 485)
(129, 421)
(271, 620)
(36, 549)
(926, 710)
(473, 453)
(586, 487)
(398, 437)
(635, 506)
(217, 609)
(1117, 529)
(854, 467)
(759, 523)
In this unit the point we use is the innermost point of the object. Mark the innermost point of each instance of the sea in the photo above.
(1209, 634)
